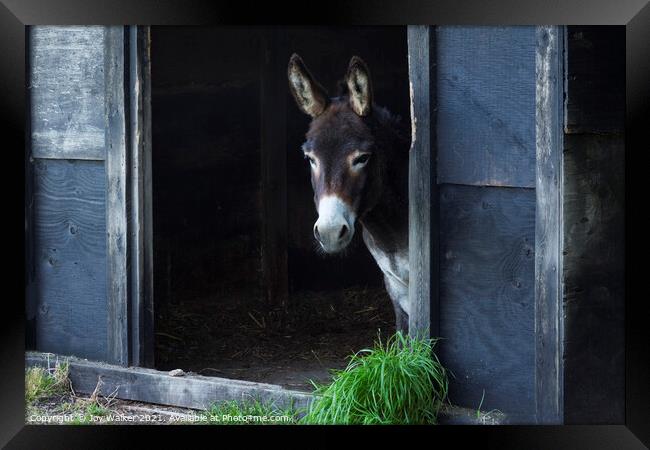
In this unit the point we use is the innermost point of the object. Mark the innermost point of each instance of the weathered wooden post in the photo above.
(423, 189)
(548, 222)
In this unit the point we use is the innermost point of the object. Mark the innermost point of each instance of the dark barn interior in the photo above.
(212, 314)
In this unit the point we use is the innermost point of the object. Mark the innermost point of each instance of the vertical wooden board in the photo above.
(486, 105)
(67, 92)
(139, 195)
(548, 223)
(423, 188)
(70, 257)
(486, 297)
(594, 279)
(117, 173)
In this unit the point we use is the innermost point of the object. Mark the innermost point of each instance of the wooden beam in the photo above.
(549, 120)
(153, 386)
(139, 196)
(423, 188)
(116, 197)
(273, 104)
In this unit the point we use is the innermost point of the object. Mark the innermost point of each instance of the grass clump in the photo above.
(42, 383)
(399, 382)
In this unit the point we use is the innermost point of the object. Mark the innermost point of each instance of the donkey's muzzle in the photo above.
(335, 225)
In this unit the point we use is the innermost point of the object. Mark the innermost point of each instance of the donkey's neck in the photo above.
(385, 233)
(387, 222)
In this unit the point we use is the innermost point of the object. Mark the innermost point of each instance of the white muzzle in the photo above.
(335, 225)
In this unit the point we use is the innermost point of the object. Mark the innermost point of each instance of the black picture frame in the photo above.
(634, 14)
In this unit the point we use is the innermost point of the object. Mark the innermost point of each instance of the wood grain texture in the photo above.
(594, 279)
(153, 386)
(596, 83)
(70, 257)
(423, 188)
(139, 194)
(486, 105)
(487, 313)
(144, 37)
(273, 139)
(66, 90)
(116, 198)
(548, 223)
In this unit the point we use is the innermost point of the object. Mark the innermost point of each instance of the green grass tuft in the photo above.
(399, 382)
(41, 383)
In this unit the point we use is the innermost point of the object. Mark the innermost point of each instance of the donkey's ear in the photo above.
(310, 96)
(359, 86)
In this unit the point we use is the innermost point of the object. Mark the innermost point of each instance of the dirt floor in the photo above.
(233, 335)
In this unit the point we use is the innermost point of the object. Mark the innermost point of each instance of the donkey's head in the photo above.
(342, 149)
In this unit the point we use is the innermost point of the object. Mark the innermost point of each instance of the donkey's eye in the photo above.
(361, 159)
(311, 160)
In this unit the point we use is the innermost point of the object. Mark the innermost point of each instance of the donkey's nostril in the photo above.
(343, 232)
(316, 234)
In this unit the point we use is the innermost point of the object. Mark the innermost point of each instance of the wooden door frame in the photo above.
(549, 123)
(424, 211)
(424, 245)
(128, 193)
(140, 185)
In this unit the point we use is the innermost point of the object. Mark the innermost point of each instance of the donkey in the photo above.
(358, 153)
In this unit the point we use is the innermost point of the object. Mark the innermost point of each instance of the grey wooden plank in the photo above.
(273, 140)
(486, 106)
(116, 197)
(596, 87)
(423, 188)
(548, 223)
(153, 386)
(70, 257)
(147, 165)
(66, 90)
(487, 312)
(139, 196)
(594, 279)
